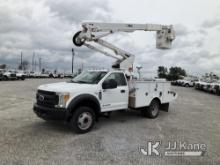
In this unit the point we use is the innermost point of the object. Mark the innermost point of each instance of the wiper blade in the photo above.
(72, 81)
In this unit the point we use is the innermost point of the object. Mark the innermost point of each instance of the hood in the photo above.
(64, 87)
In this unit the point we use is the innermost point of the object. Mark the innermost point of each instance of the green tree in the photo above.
(162, 72)
(3, 66)
(176, 73)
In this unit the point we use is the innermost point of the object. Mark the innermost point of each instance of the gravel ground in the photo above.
(26, 139)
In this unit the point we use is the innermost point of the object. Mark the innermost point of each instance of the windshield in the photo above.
(89, 77)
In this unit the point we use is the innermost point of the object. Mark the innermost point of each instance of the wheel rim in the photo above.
(155, 109)
(84, 120)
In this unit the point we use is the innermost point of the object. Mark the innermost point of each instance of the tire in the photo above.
(218, 92)
(186, 85)
(153, 110)
(23, 78)
(5, 78)
(82, 120)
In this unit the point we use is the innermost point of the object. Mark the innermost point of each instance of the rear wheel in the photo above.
(83, 120)
(5, 78)
(186, 85)
(152, 111)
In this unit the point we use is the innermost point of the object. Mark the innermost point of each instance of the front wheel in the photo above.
(83, 120)
(152, 111)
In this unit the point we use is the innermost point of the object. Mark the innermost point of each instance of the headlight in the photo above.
(63, 98)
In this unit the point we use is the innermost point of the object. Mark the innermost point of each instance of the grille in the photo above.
(13, 75)
(50, 99)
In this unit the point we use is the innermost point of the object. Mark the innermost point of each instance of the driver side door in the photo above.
(116, 98)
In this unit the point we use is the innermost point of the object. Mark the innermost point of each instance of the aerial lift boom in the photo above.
(93, 32)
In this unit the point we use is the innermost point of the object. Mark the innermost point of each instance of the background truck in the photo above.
(20, 75)
(96, 93)
(186, 82)
(8, 75)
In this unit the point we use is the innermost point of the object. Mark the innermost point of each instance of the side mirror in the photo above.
(110, 84)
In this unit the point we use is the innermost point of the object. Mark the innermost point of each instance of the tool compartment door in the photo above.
(145, 92)
(139, 98)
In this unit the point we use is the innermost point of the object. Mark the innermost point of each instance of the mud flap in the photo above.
(164, 107)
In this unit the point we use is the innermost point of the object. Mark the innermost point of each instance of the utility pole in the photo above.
(39, 64)
(73, 53)
(35, 64)
(21, 62)
(33, 61)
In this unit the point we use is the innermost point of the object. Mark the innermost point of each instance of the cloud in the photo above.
(78, 10)
(45, 27)
(181, 30)
(211, 23)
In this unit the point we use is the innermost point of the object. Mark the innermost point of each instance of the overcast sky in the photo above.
(46, 27)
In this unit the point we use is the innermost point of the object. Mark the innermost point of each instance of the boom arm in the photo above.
(95, 31)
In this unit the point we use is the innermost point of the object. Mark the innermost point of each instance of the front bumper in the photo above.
(50, 113)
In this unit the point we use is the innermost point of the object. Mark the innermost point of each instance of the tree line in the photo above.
(174, 73)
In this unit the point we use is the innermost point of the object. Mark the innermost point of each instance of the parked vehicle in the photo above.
(216, 87)
(186, 82)
(94, 93)
(56, 75)
(202, 85)
(8, 75)
(20, 75)
(97, 93)
(44, 75)
(53, 75)
(60, 75)
(177, 82)
(212, 87)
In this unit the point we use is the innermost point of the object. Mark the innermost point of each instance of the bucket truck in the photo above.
(97, 93)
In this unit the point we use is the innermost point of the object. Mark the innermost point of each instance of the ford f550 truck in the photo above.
(92, 94)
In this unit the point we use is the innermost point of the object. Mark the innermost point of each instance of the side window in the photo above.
(118, 77)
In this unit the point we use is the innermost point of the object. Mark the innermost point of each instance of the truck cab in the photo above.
(96, 93)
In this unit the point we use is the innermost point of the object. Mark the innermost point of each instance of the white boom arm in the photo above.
(95, 31)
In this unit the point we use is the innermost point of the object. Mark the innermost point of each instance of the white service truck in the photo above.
(8, 75)
(96, 93)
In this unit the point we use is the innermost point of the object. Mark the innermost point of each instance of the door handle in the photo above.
(122, 91)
